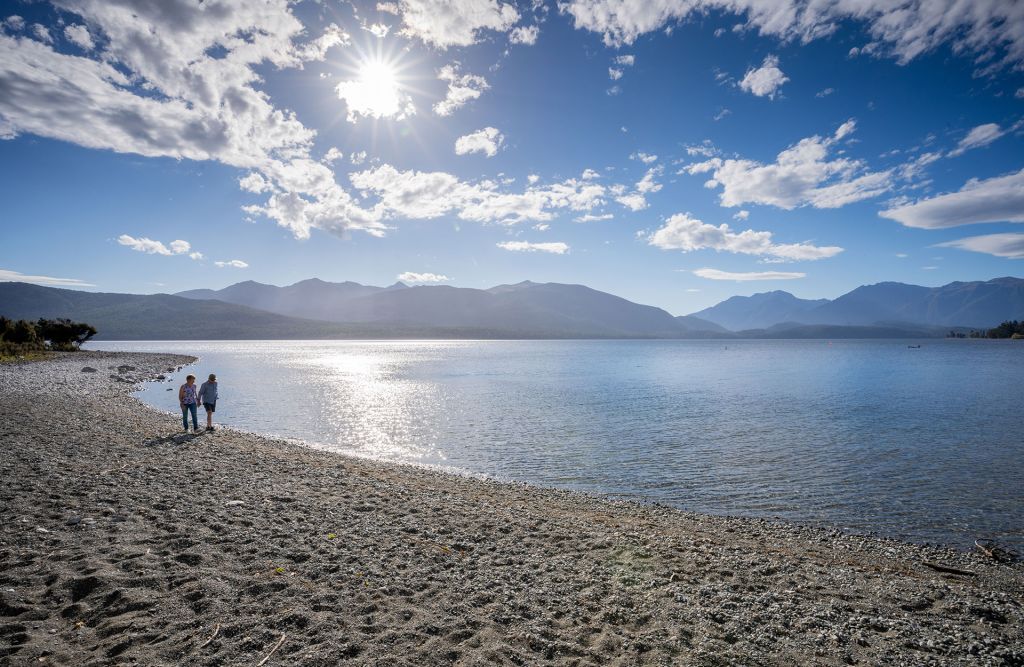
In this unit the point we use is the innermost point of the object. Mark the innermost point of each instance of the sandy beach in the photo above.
(123, 541)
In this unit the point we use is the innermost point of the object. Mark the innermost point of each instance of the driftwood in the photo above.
(276, 646)
(994, 551)
(212, 637)
(948, 570)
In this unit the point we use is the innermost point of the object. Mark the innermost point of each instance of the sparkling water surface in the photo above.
(922, 444)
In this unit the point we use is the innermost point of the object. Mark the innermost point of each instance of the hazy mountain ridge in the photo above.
(979, 304)
(526, 308)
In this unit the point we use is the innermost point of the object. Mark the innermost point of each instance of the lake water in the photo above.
(922, 444)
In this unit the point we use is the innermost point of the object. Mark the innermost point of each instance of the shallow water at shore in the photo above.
(922, 444)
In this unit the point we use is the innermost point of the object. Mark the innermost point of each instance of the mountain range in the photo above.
(977, 304)
(318, 309)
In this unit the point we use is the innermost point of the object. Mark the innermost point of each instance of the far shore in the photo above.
(124, 541)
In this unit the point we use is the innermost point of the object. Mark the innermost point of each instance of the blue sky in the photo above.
(671, 153)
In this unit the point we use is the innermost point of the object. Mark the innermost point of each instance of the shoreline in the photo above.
(124, 540)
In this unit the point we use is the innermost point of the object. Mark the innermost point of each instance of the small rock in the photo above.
(40, 529)
(122, 369)
(88, 369)
(234, 503)
(73, 521)
(161, 377)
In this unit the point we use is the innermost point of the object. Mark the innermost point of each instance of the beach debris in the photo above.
(272, 651)
(88, 369)
(216, 630)
(948, 570)
(994, 551)
(331, 536)
(234, 503)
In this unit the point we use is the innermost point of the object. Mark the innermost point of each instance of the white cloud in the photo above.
(375, 94)
(195, 255)
(764, 80)
(542, 226)
(614, 74)
(589, 175)
(357, 157)
(647, 184)
(556, 248)
(13, 22)
(412, 277)
(646, 158)
(231, 264)
(179, 80)
(332, 155)
(741, 215)
(979, 136)
(902, 255)
(998, 199)
(79, 35)
(686, 233)
(486, 141)
(379, 30)
(801, 175)
(825, 93)
(991, 31)
(427, 195)
(180, 247)
(7, 276)
(1001, 245)
(152, 247)
(591, 217)
(634, 201)
(626, 60)
(715, 274)
(42, 33)
(704, 148)
(1019, 94)
(445, 23)
(533, 178)
(462, 88)
(526, 34)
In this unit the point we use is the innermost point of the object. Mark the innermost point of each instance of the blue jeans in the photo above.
(185, 409)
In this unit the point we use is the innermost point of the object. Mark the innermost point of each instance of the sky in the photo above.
(674, 153)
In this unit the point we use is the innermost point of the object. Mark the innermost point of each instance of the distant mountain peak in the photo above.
(397, 285)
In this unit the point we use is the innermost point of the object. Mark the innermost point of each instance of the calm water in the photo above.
(923, 444)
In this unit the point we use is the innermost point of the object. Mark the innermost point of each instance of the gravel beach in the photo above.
(124, 541)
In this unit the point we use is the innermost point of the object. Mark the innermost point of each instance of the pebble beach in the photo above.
(126, 542)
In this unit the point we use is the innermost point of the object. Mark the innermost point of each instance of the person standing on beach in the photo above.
(187, 399)
(208, 397)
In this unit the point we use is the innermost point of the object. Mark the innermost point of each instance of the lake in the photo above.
(873, 436)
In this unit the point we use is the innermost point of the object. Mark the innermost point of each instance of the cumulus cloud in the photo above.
(462, 88)
(998, 199)
(375, 94)
(803, 174)
(526, 34)
(13, 22)
(764, 81)
(646, 158)
(991, 32)
(421, 278)
(1008, 245)
(427, 195)
(231, 264)
(7, 276)
(686, 233)
(557, 248)
(79, 35)
(151, 247)
(332, 155)
(447, 23)
(486, 141)
(190, 93)
(715, 274)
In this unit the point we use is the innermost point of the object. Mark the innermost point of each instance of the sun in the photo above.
(376, 92)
